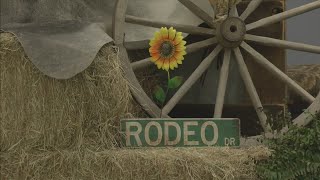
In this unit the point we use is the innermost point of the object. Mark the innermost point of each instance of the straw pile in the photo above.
(210, 163)
(69, 129)
(40, 111)
(307, 76)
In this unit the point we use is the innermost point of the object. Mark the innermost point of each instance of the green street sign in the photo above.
(180, 132)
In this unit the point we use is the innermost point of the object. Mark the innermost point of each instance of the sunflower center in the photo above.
(166, 49)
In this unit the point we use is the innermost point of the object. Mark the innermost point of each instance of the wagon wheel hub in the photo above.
(231, 32)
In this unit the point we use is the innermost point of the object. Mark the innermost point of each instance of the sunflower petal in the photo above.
(173, 63)
(157, 43)
(172, 33)
(179, 61)
(155, 47)
(182, 43)
(153, 51)
(180, 47)
(171, 67)
(166, 65)
(178, 38)
(152, 42)
(164, 32)
(154, 57)
(179, 54)
(176, 64)
(159, 63)
(183, 53)
(172, 59)
(157, 36)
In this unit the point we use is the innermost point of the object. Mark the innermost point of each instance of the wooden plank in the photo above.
(118, 25)
(136, 45)
(180, 132)
(179, 27)
(141, 64)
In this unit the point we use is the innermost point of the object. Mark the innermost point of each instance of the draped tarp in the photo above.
(62, 37)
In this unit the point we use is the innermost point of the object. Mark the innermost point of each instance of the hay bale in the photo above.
(222, 7)
(188, 163)
(307, 76)
(69, 129)
(39, 111)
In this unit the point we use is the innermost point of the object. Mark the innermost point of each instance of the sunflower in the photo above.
(167, 48)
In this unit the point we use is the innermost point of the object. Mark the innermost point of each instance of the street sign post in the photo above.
(180, 132)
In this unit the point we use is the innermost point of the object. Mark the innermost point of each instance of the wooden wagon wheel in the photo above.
(229, 36)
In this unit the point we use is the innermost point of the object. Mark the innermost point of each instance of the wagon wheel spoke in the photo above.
(198, 12)
(244, 72)
(191, 80)
(141, 64)
(179, 27)
(277, 73)
(118, 26)
(212, 3)
(253, 5)
(136, 45)
(282, 44)
(201, 44)
(223, 79)
(234, 11)
(189, 49)
(135, 86)
(284, 15)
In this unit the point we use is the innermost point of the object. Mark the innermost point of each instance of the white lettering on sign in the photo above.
(229, 141)
(132, 133)
(174, 133)
(147, 131)
(166, 133)
(188, 133)
(215, 133)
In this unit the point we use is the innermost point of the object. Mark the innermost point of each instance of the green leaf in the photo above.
(175, 82)
(159, 94)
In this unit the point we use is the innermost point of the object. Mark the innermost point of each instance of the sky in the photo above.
(303, 28)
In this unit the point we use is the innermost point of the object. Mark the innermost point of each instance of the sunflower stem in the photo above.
(166, 94)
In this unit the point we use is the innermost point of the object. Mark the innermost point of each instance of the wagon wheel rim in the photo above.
(228, 39)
